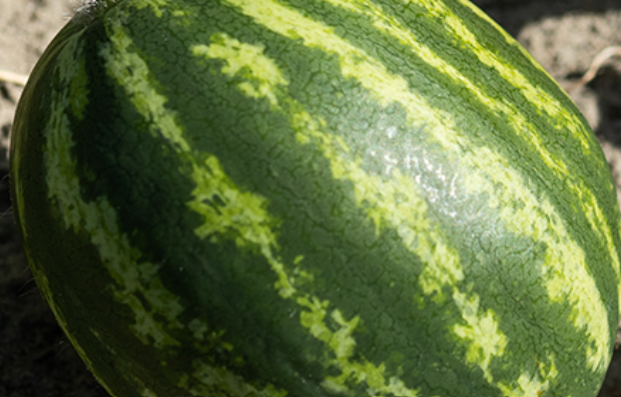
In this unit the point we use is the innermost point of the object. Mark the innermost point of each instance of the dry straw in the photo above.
(14, 78)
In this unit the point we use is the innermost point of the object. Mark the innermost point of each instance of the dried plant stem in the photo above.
(14, 78)
(598, 62)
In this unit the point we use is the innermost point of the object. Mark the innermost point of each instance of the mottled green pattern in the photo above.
(315, 198)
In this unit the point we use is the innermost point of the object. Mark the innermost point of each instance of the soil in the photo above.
(36, 359)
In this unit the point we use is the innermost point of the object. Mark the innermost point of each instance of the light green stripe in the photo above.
(393, 204)
(541, 99)
(131, 72)
(266, 81)
(156, 6)
(490, 174)
(243, 214)
(389, 25)
(246, 217)
(95, 219)
(538, 97)
(159, 7)
(564, 271)
(521, 126)
(531, 385)
(219, 381)
(99, 220)
(57, 125)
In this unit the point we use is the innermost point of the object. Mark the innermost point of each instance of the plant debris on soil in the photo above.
(37, 360)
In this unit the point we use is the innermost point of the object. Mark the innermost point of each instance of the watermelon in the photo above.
(315, 198)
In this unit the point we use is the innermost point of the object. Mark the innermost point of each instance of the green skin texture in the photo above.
(359, 269)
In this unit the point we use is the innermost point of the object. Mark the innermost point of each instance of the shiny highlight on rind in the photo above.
(489, 174)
